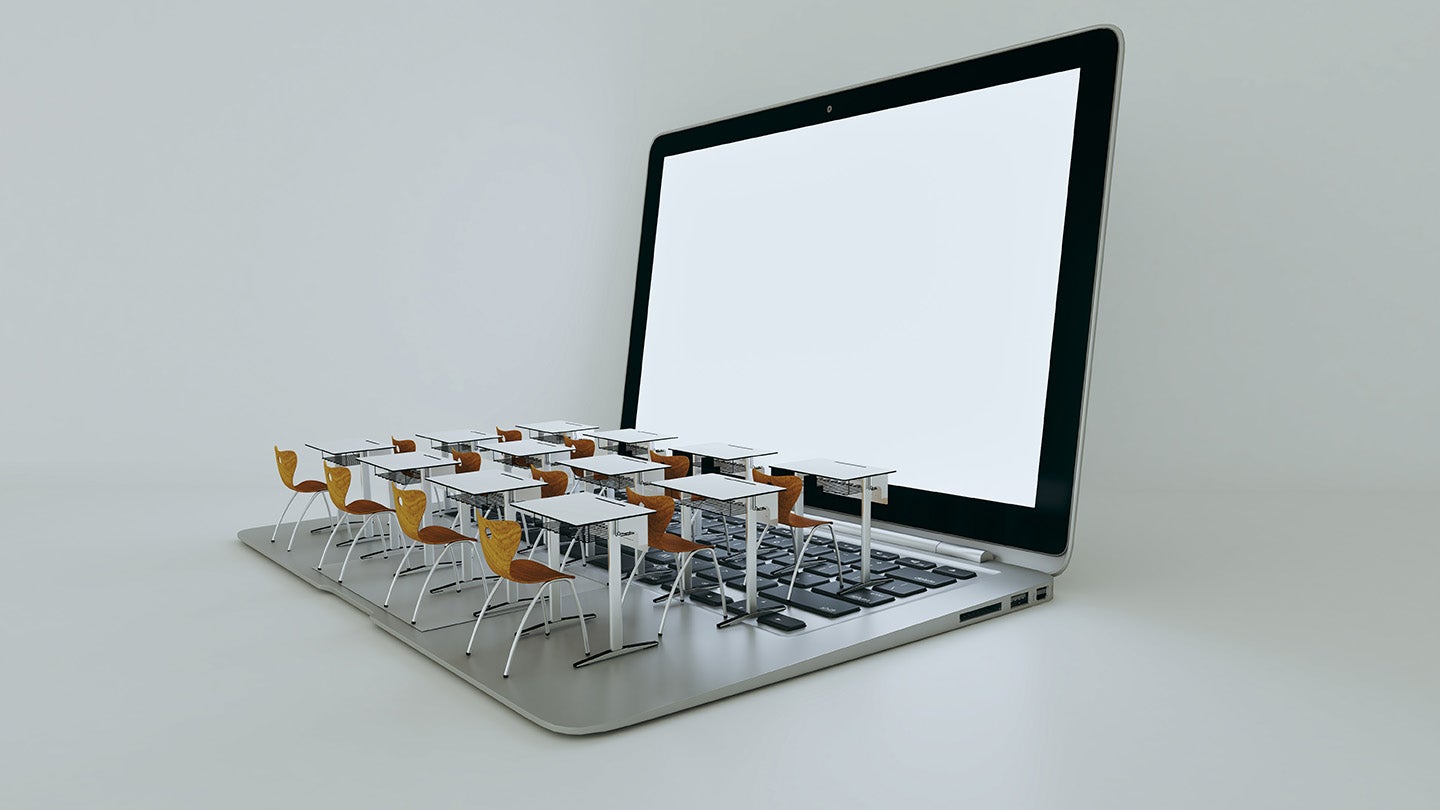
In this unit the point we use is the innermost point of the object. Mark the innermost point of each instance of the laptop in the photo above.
(886, 290)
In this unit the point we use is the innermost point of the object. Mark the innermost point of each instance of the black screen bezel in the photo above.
(1045, 527)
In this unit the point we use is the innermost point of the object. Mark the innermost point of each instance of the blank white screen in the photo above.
(879, 289)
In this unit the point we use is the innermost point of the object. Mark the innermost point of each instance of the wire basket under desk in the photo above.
(847, 489)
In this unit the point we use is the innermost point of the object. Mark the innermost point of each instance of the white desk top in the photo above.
(528, 447)
(345, 447)
(457, 436)
(484, 482)
(720, 450)
(582, 509)
(829, 468)
(555, 426)
(629, 436)
(613, 465)
(719, 487)
(418, 460)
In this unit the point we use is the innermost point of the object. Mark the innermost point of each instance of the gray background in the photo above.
(224, 227)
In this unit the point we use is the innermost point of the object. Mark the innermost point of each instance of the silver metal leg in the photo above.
(396, 577)
(479, 617)
(281, 519)
(351, 549)
(300, 520)
(438, 558)
(515, 641)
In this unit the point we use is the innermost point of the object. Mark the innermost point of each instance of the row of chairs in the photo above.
(498, 541)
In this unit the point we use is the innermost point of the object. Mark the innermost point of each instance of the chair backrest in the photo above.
(403, 445)
(409, 508)
(467, 461)
(556, 481)
(677, 466)
(509, 435)
(337, 483)
(580, 448)
(286, 460)
(793, 485)
(664, 507)
(499, 540)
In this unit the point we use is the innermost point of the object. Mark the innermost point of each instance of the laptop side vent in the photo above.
(993, 607)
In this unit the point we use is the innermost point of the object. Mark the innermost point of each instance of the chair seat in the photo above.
(364, 507)
(529, 572)
(310, 486)
(802, 522)
(440, 535)
(675, 544)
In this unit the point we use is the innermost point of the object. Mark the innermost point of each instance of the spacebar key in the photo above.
(826, 606)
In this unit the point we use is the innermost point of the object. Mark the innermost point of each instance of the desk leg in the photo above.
(618, 647)
(552, 555)
(865, 531)
(866, 580)
(687, 532)
(752, 593)
(615, 579)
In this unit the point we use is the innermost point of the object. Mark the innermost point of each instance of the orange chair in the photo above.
(794, 485)
(660, 537)
(679, 467)
(403, 445)
(286, 461)
(509, 435)
(337, 480)
(584, 448)
(499, 540)
(466, 461)
(556, 481)
(409, 511)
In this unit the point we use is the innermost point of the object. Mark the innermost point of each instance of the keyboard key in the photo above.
(851, 547)
(771, 553)
(804, 580)
(733, 561)
(847, 557)
(880, 566)
(887, 556)
(662, 578)
(780, 621)
(901, 589)
(737, 607)
(952, 571)
(929, 579)
(864, 597)
(772, 569)
(786, 559)
(659, 557)
(819, 604)
(728, 574)
(811, 552)
(914, 563)
(826, 570)
(710, 598)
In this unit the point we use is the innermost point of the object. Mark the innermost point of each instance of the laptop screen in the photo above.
(875, 276)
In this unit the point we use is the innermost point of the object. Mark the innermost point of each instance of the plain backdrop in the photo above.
(226, 226)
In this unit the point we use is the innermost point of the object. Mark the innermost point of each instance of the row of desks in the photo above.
(626, 522)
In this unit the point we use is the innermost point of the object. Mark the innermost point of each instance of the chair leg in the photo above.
(523, 619)
(275, 533)
(300, 520)
(328, 541)
(396, 576)
(481, 615)
(351, 549)
(580, 611)
(800, 557)
(679, 574)
(423, 588)
(839, 574)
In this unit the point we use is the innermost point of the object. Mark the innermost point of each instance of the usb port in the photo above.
(1041, 593)
(1019, 600)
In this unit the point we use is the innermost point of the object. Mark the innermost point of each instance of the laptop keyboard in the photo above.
(819, 587)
